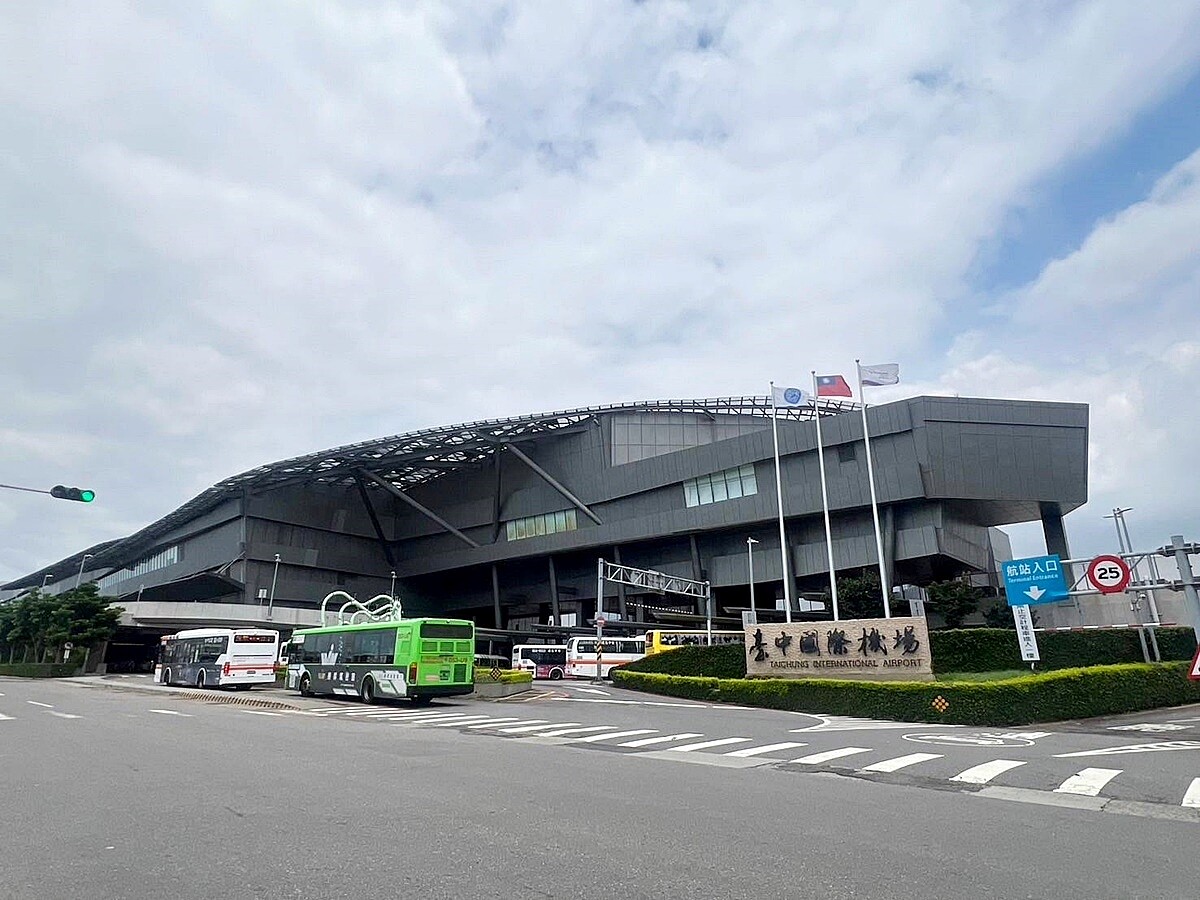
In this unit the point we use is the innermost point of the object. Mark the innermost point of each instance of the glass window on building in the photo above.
(541, 524)
(725, 485)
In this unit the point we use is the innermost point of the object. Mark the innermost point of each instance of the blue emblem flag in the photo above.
(789, 397)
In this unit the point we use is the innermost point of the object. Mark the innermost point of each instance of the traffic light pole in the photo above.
(16, 487)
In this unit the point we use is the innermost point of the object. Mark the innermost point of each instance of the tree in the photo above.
(42, 623)
(861, 597)
(954, 600)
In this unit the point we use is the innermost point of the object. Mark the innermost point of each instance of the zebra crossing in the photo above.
(848, 760)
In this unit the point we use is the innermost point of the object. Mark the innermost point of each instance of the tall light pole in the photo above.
(750, 542)
(392, 589)
(82, 562)
(274, 578)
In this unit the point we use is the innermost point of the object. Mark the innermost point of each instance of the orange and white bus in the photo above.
(581, 655)
(543, 660)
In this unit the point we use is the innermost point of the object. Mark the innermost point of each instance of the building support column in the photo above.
(496, 594)
(554, 610)
(697, 572)
(621, 610)
(887, 525)
(496, 497)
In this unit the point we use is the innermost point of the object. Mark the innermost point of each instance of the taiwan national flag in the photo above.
(833, 386)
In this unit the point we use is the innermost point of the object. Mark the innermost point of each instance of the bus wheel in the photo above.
(421, 700)
(305, 686)
(556, 674)
(367, 691)
(200, 679)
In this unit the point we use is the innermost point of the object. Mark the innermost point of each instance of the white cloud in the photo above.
(238, 233)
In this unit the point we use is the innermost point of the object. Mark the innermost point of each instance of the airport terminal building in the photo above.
(502, 521)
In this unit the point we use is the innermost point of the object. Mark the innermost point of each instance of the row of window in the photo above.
(727, 485)
(160, 560)
(545, 523)
(361, 647)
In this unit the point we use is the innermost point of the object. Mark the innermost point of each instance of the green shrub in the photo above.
(38, 670)
(508, 676)
(1047, 697)
(721, 661)
(992, 649)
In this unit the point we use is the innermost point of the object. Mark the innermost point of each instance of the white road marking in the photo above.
(529, 728)
(704, 745)
(445, 717)
(769, 748)
(985, 772)
(508, 721)
(1087, 782)
(612, 737)
(412, 717)
(1192, 797)
(170, 712)
(637, 703)
(855, 723)
(64, 715)
(594, 691)
(35, 703)
(456, 722)
(1150, 727)
(260, 712)
(900, 762)
(4, 718)
(563, 732)
(1134, 748)
(818, 758)
(647, 742)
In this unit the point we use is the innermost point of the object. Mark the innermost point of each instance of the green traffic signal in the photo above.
(59, 492)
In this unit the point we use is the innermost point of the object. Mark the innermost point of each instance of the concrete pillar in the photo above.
(696, 576)
(554, 610)
(496, 594)
(620, 587)
(1054, 529)
(887, 525)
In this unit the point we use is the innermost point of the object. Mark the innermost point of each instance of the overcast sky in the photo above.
(231, 233)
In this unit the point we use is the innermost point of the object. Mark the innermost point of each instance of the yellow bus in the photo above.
(661, 640)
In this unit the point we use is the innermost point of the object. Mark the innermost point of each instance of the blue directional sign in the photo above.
(1034, 580)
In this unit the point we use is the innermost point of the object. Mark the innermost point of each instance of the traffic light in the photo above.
(72, 493)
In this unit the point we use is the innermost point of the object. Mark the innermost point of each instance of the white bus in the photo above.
(543, 660)
(581, 655)
(219, 657)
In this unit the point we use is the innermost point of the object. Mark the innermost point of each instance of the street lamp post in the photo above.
(82, 562)
(750, 542)
(392, 590)
(271, 599)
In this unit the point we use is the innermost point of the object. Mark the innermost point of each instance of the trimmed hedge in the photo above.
(1049, 697)
(509, 676)
(957, 650)
(38, 670)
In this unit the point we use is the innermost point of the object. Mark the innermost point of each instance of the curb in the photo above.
(203, 696)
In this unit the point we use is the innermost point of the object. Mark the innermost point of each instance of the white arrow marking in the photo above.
(1034, 593)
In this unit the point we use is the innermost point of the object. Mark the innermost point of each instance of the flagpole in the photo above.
(883, 579)
(825, 499)
(787, 593)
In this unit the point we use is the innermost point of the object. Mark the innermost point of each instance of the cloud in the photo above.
(233, 234)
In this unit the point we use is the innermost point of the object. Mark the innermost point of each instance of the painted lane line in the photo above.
(64, 715)
(329, 709)
(900, 762)
(528, 728)
(416, 717)
(704, 745)
(508, 721)
(649, 742)
(595, 738)
(457, 723)
(446, 717)
(4, 718)
(769, 748)
(170, 712)
(35, 703)
(563, 732)
(1087, 782)
(260, 712)
(985, 772)
(817, 758)
(1192, 797)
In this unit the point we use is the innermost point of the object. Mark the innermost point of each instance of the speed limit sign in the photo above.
(1108, 574)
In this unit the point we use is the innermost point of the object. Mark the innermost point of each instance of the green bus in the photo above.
(416, 658)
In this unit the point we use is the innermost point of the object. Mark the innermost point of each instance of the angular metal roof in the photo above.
(410, 459)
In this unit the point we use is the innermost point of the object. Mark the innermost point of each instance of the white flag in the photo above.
(884, 373)
(788, 398)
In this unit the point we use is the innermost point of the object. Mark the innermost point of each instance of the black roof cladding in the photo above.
(406, 460)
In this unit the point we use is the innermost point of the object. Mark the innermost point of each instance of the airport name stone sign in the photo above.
(863, 649)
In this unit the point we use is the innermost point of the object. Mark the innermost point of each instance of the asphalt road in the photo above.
(117, 793)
